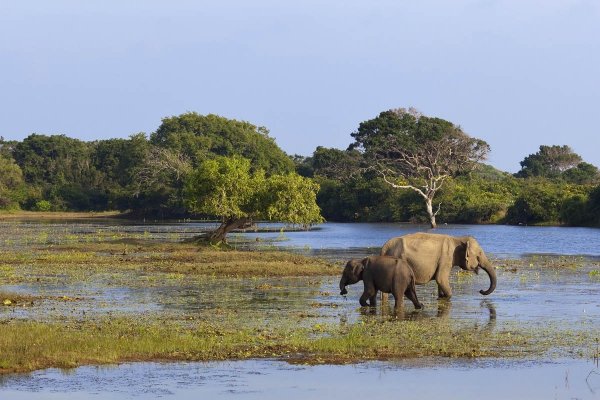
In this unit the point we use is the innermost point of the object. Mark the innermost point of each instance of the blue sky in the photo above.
(517, 74)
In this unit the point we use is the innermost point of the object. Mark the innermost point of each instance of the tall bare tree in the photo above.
(413, 151)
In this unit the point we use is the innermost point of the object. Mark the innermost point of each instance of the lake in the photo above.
(499, 240)
(502, 241)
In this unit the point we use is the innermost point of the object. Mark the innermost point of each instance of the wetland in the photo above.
(98, 295)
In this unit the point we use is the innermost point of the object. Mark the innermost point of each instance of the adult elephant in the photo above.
(432, 256)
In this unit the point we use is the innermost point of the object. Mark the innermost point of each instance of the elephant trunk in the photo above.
(343, 290)
(487, 267)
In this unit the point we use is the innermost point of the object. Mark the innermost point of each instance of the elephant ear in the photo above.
(470, 254)
(360, 267)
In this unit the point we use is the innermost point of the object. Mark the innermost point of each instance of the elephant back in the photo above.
(393, 247)
(414, 243)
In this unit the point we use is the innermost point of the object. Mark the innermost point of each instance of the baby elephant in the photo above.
(388, 274)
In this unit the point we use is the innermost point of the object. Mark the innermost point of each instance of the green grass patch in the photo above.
(169, 258)
(27, 346)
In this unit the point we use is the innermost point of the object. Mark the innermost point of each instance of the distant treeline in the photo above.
(145, 175)
(484, 196)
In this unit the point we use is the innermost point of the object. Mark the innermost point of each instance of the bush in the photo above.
(543, 201)
(43, 205)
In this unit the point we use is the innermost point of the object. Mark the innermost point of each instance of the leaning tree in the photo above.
(227, 188)
(412, 151)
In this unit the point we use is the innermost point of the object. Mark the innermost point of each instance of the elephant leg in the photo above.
(363, 299)
(369, 292)
(384, 297)
(373, 300)
(444, 290)
(411, 294)
(399, 307)
(398, 300)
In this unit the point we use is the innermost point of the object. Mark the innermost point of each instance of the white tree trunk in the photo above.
(428, 204)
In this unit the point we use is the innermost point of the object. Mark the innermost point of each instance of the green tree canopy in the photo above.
(583, 174)
(413, 151)
(541, 200)
(62, 169)
(12, 185)
(226, 187)
(54, 160)
(548, 162)
(593, 207)
(483, 196)
(582, 209)
(335, 163)
(118, 159)
(203, 136)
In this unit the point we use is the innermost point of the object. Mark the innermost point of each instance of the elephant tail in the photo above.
(413, 290)
(412, 281)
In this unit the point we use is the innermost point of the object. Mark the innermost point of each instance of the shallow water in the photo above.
(265, 379)
(530, 294)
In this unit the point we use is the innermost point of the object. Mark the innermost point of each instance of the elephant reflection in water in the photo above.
(442, 313)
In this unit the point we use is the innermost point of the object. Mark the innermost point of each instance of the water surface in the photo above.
(265, 379)
(498, 240)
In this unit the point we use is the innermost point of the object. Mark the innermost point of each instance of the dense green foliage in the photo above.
(227, 188)
(556, 162)
(152, 176)
(61, 170)
(12, 185)
(204, 136)
(141, 175)
(549, 162)
(485, 195)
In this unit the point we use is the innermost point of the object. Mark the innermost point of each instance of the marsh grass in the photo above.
(42, 215)
(27, 346)
(81, 259)
(558, 262)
